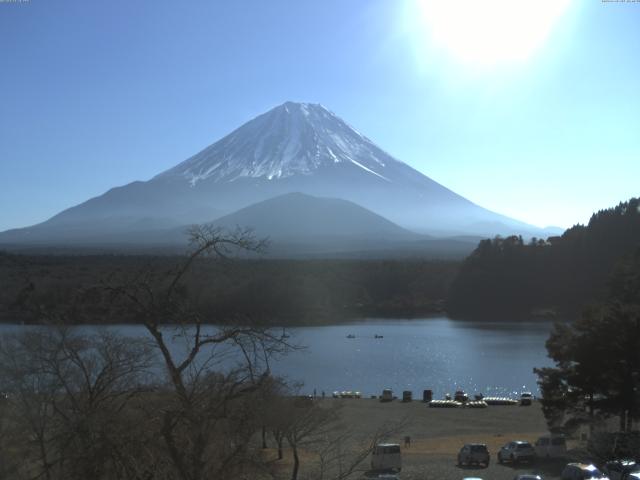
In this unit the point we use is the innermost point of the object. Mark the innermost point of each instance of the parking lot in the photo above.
(438, 434)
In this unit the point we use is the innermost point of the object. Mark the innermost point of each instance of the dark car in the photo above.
(526, 398)
(620, 469)
(581, 471)
(473, 453)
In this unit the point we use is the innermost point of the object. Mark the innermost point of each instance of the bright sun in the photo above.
(489, 32)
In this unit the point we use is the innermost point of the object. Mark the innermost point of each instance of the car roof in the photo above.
(583, 466)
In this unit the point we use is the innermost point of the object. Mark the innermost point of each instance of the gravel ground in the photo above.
(438, 433)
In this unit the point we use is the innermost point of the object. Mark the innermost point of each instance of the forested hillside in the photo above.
(272, 291)
(510, 278)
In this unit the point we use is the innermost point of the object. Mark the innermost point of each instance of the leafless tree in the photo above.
(308, 425)
(206, 425)
(343, 454)
(68, 393)
(332, 451)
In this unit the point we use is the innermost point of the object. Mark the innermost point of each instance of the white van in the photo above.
(386, 456)
(551, 446)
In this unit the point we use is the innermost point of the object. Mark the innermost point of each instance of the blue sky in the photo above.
(99, 94)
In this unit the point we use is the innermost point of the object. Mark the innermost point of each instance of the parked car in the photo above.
(387, 395)
(527, 476)
(621, 469)
(551, 446)
(526, 398)
(473, 453)
(386, 457)
(516, 451)
(581, 471)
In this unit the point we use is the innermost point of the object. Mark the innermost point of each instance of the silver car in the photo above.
(516, 451)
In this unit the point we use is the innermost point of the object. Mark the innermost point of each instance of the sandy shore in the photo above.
(437, 435)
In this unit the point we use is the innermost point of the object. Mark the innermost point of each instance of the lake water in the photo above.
(495, 358)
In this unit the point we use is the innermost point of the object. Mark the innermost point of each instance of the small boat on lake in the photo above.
(378, 336)
(351, 335)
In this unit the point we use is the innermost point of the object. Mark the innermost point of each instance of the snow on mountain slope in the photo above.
(292, 139)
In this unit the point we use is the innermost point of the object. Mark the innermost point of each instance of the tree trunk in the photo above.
(591, 413)
(296, 463)
(264, 437)
(280, 455)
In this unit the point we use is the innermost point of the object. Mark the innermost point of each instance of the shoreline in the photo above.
(347, 320)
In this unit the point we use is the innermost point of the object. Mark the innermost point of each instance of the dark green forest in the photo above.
(282, 292)
(511, 278)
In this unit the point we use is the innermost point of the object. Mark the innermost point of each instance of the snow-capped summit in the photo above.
(291, 139)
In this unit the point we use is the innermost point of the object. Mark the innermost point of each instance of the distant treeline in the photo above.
(511, 278)
(503, 277)
(269, 291)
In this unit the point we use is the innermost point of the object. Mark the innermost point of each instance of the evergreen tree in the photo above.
(597, 372)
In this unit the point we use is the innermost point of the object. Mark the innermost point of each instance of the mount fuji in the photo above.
(295, 147)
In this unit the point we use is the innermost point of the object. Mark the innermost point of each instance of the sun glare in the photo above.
(489, 32)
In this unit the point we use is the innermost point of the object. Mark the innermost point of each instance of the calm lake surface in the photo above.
(495, 358)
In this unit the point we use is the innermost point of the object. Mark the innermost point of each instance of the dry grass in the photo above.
(437, 435)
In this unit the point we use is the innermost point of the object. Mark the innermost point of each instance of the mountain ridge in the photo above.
(294, 147)
(298, 215)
